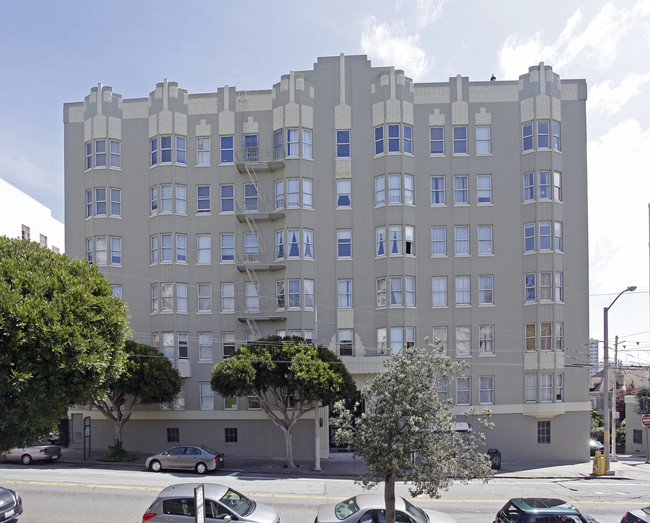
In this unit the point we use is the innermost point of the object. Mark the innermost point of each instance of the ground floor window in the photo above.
(231, 435)
(637, 436)
(173, 435)
(544, 432)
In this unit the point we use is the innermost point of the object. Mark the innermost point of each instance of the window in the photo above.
(460, 140)
(89, 203)
(279, 295)
(181, 248)
(527, 136)
(410, 336)
(100, 202)
(293, 146)
(485, 290)
(100, 153)
(253, 403)
(117, 291)
(543, 134)
(173, 435)
(531, 337)
(154, 199)
(559, 387)
(486, 339)
(396, 299)
(278, 151)
(230, 403)
(116, 202)
(637, 435)
(206, 396)
(154, 297)
(461, 190)
(183, 351)
(279, 245)
(279, 194)
(308, 244)
(344, 243)
(345, 342)
(166, 149)
(343, 144)
(116, 250)
(294, 294)
(379, 140)
(181, 199)
(204, 291)
(308, 294)
(181, 149)
(251, 247)
(439, 289)
(546, 335)
(230, 435)
(228, 149)
(154, 249)
(442, 388)
(409, 284)
(439, 240)
(463, 391)
(559, 286)
(227, 247)
(380, 286)
(484, 188)
(463, 340)
(307, 143)
(166, 198)
(380, 241)
(545, 236)
(343, 193)
(294, 243)
(153, 151)
(89, 155)
(461, 240)
(546, 388)
(557, 186)
(396, 339)
(544, 185)
(486, 390)
(409, 240)
(307, 193)
(530, 287)
(408, 189)
(293, 192)
(437, 140)
(181, 297)
(395, 239)
(559, 246)
(393, 138)
(380, 190)
(168, 348)
(485, 240)
(529, 237)
(166, 248)
(228, 344)
(437, 190)
(462, 290)
(202, 150)
(394, 188)
(252, 297)
(408, 139)
(203, 248)
(531, 388)
(227, 297)
(250, 197)
(227, 198)
(101, 247)
(545, 286)
(483, 143)
(440, 338)
(557, 145)
(529, 187)
(203, 199)
(381, 341)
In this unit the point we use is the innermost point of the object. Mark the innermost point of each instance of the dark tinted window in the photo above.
(179, 507)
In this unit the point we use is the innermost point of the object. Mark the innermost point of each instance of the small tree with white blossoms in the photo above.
(407, 431)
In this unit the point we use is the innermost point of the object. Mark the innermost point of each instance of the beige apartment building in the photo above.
(358, 209)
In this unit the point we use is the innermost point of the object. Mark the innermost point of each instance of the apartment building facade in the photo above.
(358, 209)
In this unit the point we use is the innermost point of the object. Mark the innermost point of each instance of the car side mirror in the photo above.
(227, 519)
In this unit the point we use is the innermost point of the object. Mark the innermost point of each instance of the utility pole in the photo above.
(614, 412)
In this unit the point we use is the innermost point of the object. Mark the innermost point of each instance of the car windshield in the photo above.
(237, 502)
(207, 449)
(416, 512)
(556, 518)
(346, 508)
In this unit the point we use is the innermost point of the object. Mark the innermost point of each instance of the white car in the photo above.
(371, 508)
(37, 452)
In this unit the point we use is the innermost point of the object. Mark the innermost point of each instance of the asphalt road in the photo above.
(54, 493)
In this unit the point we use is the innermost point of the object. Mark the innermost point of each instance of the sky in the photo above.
(55, 52)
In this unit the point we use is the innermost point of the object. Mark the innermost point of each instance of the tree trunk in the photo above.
(389, 497)
(287, 441)
(119, 423)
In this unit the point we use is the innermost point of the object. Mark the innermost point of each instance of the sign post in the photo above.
(199, 502)
(86, 436)
(646, 423)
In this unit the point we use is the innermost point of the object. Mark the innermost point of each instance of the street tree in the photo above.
(407, 431)
(62, 338)
(148, 377)
(287, 376)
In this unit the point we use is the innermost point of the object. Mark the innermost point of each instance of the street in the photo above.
(62, 493)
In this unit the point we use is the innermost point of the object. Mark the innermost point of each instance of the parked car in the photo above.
(371, 508)
(39, 451)
(635, 516)
(530, 510)
(189, 457)
(176, 503)
(11, 505)
(595, 446)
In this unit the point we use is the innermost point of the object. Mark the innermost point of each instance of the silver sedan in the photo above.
(189, 457)
(37, 452)
(220, 503)
(371, 508)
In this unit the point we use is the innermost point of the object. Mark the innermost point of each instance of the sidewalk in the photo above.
(342, 464)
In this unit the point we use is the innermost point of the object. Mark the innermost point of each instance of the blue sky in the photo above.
(54, 52)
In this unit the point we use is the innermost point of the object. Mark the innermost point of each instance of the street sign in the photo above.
(646, 420)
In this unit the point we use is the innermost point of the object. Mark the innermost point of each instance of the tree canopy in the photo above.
(287, 376)
(61, 338)
(407, 431)
(148, 377)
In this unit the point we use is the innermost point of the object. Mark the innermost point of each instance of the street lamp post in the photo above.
(607, 415)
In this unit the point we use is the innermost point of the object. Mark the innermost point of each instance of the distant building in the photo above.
(21, 216)
(594, 361)
(355, 208)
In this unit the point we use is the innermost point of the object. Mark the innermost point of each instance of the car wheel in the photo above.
(201, 468)
(26, 459)
(155, 466)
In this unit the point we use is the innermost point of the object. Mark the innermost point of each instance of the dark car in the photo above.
(199, 458)
(540, 510)
(637, 516)
(595, 446)
(11, 505)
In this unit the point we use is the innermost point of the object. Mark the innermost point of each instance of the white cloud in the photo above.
(609, 99)
(391, 43)
(429, 11)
